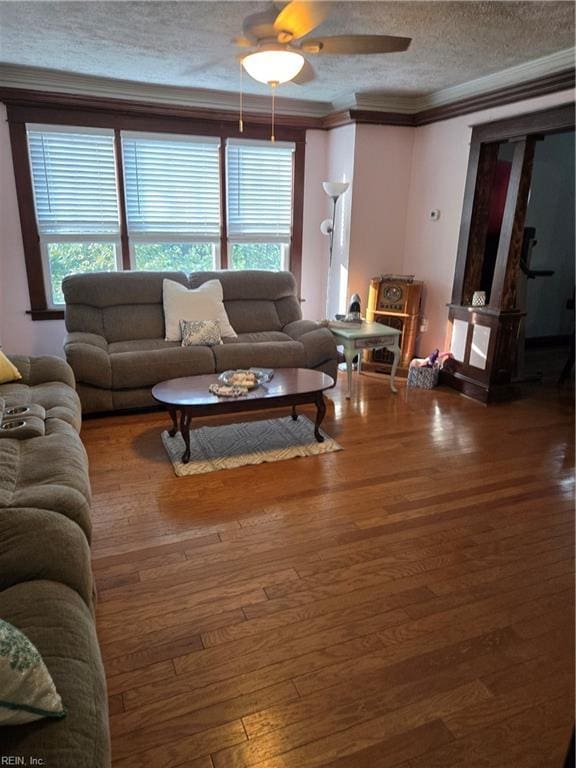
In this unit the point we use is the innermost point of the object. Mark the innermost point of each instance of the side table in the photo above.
(355, 338)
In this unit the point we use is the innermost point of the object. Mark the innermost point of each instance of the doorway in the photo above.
(546, 277)
(519, 197)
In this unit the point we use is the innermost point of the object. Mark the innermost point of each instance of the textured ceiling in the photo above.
(189, 43)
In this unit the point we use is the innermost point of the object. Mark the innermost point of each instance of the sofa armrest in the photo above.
(78, 337)
(319, 344)
(43, 368)
(298, 328)
(87, 354)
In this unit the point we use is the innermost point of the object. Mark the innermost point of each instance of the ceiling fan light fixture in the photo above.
(273, 66)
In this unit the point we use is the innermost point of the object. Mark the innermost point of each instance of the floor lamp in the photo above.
(334, 190)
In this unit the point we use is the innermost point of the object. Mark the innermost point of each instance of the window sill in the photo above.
(46, 314)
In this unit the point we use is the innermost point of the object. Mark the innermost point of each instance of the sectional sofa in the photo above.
(46, 587)
(115, 342)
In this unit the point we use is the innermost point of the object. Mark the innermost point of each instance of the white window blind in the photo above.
(74, 180)
(172, 185)
(259, 189)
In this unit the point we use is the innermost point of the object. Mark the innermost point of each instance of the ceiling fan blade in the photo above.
(298, 18)
(306, 74)
(242, 42)
(360, 44)
(260, 25)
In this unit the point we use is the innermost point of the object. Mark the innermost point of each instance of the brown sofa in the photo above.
(116, 347)
(46, 587)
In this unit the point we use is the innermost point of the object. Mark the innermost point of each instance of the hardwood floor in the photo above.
(405, 602)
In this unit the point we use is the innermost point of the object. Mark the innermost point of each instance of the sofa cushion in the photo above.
(48, 473)
(140, 368)
(270, 354)
(255, 300)
(253, 316)
(39, 544)
(117, 305)
(133, 321)
(258, 338)
(59, 400)
(60, 625)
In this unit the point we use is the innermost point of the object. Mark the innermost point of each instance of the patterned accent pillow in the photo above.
(27, 691)
(203, 333)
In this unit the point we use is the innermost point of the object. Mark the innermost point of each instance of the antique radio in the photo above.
(394, 302)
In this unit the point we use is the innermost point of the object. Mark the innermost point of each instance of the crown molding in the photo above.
(25, 86)
(537, 69)
(55, 81)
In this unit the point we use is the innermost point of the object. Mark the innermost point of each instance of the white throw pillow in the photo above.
(203, 303)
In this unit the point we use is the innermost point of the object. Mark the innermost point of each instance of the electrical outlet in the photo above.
(424, 325)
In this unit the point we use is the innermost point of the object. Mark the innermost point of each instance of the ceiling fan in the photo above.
(277, 42)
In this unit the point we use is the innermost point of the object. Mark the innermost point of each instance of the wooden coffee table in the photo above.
(289, 387)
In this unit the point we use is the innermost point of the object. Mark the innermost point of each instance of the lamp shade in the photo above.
(335, 188)
(273, 66)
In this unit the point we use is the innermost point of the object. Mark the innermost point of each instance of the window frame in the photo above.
(45, 240)
(27, 107)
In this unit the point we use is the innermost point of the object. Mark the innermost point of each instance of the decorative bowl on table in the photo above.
(240, 378)
(240, 382)
(247, 378)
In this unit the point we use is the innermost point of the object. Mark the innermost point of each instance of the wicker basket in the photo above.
(423, 378)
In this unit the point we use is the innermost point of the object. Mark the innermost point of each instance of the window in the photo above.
(115, 197)
(172, 188)
(74, 184)
(259, 210)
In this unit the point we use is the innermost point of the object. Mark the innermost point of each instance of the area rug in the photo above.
(252, 442)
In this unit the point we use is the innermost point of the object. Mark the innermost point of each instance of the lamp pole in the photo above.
(334, 201)
(334, 190)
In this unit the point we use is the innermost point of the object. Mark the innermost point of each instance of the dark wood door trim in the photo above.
(121, 199)
(473, 230)
(503, 293)
(30, 236)
(298, 215)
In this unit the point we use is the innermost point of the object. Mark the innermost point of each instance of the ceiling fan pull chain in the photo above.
(241, 122)
(273, 86)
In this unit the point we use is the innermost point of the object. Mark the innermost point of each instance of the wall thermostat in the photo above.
(434, 214)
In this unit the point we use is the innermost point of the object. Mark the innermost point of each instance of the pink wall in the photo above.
(382, 166)
(314, 243)
(18, 333)
(439, 166)
(341, 153)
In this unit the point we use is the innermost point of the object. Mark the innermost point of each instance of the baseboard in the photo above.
(495, 393)
(538, 342)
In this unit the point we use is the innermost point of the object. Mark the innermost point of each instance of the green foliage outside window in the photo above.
(257, 256)
(70, 258)
(179, 257)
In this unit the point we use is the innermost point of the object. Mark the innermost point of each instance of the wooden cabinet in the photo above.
(395, 303)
